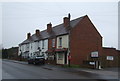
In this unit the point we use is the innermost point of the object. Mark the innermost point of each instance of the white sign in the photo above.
(92, 63)
(110, 58)
(94, 54)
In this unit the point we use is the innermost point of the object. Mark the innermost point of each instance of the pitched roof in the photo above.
(56, 31)
(26, 41)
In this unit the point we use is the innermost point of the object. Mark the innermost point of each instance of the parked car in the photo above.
(36, 60)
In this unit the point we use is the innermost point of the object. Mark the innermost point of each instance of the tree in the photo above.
(4, 53)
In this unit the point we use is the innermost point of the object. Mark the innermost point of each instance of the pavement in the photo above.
(107, 73)
(91, 73)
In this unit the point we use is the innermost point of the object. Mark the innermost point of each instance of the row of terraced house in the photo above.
(74, 41)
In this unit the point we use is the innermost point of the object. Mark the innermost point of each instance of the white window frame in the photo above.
(53, 42)
(43, 45)
(60, 41)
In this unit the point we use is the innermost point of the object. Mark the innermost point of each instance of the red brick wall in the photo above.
(50, 43)
(84, 39)
(110, 52)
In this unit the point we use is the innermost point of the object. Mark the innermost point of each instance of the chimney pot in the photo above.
(69, 16)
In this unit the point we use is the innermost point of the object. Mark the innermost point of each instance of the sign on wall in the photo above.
(92, 63)
(94, 54)
(110, 58)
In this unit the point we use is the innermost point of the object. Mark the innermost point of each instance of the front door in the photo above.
(60, 58)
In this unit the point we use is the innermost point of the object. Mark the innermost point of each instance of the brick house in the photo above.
(84, 39)
(76, 38)
(73, 42)
(73, 36)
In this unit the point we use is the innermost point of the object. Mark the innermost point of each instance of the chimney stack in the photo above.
(66, 20)
(28, 35)
(49, 27)
(37, 32)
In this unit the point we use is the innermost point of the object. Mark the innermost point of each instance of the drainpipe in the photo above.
(98, 59)
(69, 40)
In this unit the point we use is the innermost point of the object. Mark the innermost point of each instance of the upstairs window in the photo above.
(43, 44)
(53, 42)
(38, 44)
(27, 47)
(31, 46)
(60, 42)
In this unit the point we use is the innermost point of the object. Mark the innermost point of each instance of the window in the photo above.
(31, 45)
(60, 41)
(43, 44)
(43, 54)
(110, 58)
(38, 44)
(53, 42)
(20, 49)
(27, 47)
(51, 57)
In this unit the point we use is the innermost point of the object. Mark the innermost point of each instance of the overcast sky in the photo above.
(20, 18)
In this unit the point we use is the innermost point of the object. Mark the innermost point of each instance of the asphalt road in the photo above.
(11, 70)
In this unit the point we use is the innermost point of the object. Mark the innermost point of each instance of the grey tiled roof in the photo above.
(26, 41)
(56, 31)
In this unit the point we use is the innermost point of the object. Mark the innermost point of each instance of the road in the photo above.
(11, 70)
